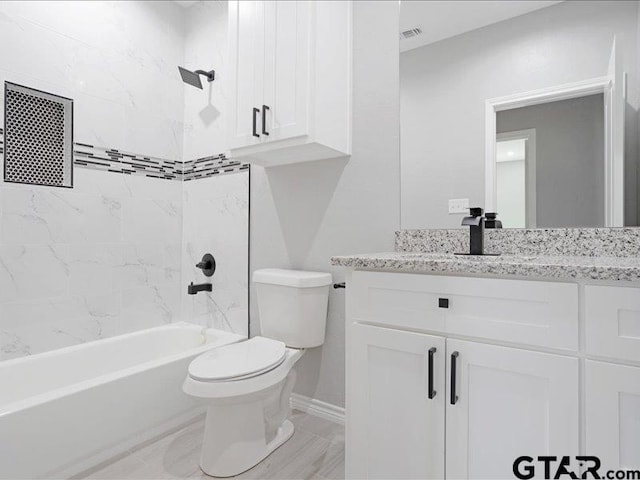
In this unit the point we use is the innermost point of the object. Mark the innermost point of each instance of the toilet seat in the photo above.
(238, 361)
(249, 385)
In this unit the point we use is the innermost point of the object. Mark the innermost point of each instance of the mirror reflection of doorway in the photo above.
(516, 178)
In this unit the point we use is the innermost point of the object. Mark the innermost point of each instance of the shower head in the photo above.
(193, 78)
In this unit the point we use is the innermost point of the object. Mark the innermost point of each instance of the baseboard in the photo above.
(317, 408)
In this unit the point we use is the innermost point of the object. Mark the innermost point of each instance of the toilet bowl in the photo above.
(247, 385)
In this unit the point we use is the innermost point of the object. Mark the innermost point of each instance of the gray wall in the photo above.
(303, 214)
(444, 87)
(569, 159)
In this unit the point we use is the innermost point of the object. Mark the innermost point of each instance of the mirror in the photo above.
(528, 109)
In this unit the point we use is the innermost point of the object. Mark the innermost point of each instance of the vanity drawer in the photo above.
(612, 318)
(528, 312)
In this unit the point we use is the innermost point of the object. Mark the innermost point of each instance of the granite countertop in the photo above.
(540, 266)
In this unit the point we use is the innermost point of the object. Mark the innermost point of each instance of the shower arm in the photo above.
(211, 76)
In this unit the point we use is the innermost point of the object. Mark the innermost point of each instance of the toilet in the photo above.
(247, 385)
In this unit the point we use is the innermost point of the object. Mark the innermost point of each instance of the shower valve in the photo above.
(207, 265)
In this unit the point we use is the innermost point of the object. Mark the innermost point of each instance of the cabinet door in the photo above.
(286, 69)
(613, 414)
(509, 403)
(246, 70)
(394, 430)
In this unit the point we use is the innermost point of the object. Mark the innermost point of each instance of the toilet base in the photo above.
(240, 432)
(285, 432)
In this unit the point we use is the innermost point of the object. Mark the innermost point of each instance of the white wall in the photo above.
(444, 87)
(303, 214)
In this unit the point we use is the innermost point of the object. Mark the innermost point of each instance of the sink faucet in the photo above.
(475, 221)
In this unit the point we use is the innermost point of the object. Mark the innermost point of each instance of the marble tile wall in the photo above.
(114, 255)
(216, 221)
(108, 256)
(83, 264)
(104, 257)
(117, 60)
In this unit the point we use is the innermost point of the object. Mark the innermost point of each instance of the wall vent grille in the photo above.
(412, 32)
(38, 137)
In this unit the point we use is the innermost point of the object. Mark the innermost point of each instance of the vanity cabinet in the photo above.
(496, 403)
(454, 377)
(290, 69)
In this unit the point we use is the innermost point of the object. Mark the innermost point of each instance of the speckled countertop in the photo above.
(537, 266)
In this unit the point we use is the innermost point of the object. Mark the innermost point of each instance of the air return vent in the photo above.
(412, 32)
(38, 137)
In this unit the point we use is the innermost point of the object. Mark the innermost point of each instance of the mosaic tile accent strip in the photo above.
(584, 242)
(209, 166)
(118, 161)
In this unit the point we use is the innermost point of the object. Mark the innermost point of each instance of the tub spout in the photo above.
(202, 287)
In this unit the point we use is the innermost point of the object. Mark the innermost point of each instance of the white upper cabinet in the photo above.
(291, 81)
(246, 25)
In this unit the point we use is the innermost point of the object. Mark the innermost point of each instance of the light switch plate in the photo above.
(459, 205)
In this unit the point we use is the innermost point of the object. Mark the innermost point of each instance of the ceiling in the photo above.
(443, 19)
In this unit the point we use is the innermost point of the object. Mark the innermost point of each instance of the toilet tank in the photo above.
(292, 305)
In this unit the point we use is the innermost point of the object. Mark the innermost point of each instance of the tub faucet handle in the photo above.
(207, 264)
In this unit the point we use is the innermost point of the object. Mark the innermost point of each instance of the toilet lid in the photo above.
(238, 360)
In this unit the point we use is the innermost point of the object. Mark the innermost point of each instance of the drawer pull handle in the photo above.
(265, 109)
(454, 396)
(255, 122)
(432, 392)
(443, 303)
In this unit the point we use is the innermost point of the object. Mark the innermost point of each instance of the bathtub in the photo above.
(65, 411)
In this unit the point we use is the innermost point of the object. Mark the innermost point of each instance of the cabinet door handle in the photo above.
(255, 122)
(431, 392)
(265, 109)
(454, 396)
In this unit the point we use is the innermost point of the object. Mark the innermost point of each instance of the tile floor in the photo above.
(316, 451)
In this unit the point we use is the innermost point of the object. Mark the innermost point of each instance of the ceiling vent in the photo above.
(412, 32)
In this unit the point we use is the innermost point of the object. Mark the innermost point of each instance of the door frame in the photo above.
(536, 97)
(529, 170)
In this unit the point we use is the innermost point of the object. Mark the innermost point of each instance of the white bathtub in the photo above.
(64, 411)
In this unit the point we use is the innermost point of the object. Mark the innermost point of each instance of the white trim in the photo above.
(530, 170)
(317, 408)
(536, 97)
(615, 105)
